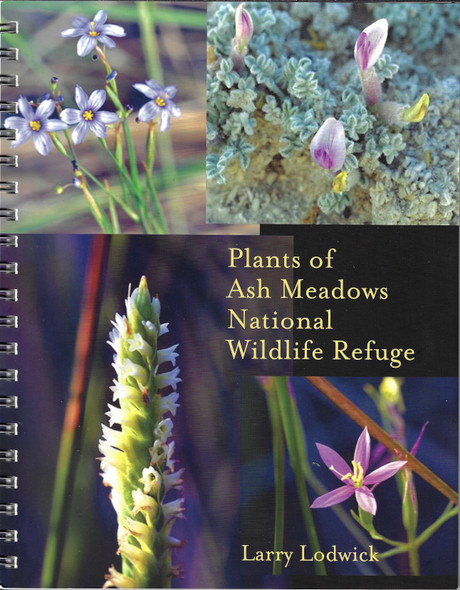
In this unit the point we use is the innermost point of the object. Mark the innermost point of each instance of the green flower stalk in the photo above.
(137, 460)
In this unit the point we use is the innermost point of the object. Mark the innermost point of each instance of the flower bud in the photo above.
(244, 29)
(328, 147)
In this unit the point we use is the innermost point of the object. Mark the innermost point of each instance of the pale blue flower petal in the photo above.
(42, 143)
(113, 30)
(45, 109)
(146, 90)
(155, 86)
(171, 91)
(25, 109)
(98, 128)
(165, 119)
(148, 112)
(107, 41)
(107, 117)
(54, 125)
(80, 21)
(100, 19)
(85, 45)
(80, 132)
(22, 136)
(97, 99)
(17, 123)
(71, 116)
(175, 111)
(81, 98)
(73, 32)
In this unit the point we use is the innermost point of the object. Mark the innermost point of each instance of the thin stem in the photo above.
(87, 173)
(449, 512)
(100, 216)
(97, 212)
(295, 456)
(72, 431)
(113, 211)
(278, 465)
(353, 412)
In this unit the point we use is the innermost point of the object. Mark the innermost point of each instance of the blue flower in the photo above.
(35, 124)
(161, 103)
(92, 32)
(88, 116)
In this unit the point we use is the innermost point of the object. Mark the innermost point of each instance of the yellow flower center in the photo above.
(35, 125)
(357, 476)
(160, 102)
(88, 115)
(93, 33)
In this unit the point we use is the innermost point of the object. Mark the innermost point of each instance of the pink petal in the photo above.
(334, 497)
(366, 500)
(328, 147)
(377, 34)
(384, 472)
(333, 459)
(363, 449)
(362, 48)
(419, 438)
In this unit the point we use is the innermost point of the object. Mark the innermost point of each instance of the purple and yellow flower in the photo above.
(92, 32)
(328, 147)
(35, 124)
(161, 103)
(355, 480)
(88, 116)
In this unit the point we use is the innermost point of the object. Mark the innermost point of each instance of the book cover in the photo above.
(203, 206)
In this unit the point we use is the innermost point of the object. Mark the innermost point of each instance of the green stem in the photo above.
(414, 562)
(449, 512)
(113, 214)
(150, 159)
(295, 456)
(278, 464)
(87, 173)
(96, 210)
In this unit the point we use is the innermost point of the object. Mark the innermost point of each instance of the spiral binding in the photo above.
(8, 347)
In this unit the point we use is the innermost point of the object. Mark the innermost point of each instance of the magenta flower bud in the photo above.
(244, 29)
(370, 44)
(368, 48)
(328, 147)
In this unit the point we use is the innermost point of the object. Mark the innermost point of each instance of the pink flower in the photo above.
(328, 147)
(370, 44)
(355, 481)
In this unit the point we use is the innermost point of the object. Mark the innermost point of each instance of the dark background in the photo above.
(419, 265)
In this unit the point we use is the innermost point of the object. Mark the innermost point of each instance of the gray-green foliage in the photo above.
(297, 74)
